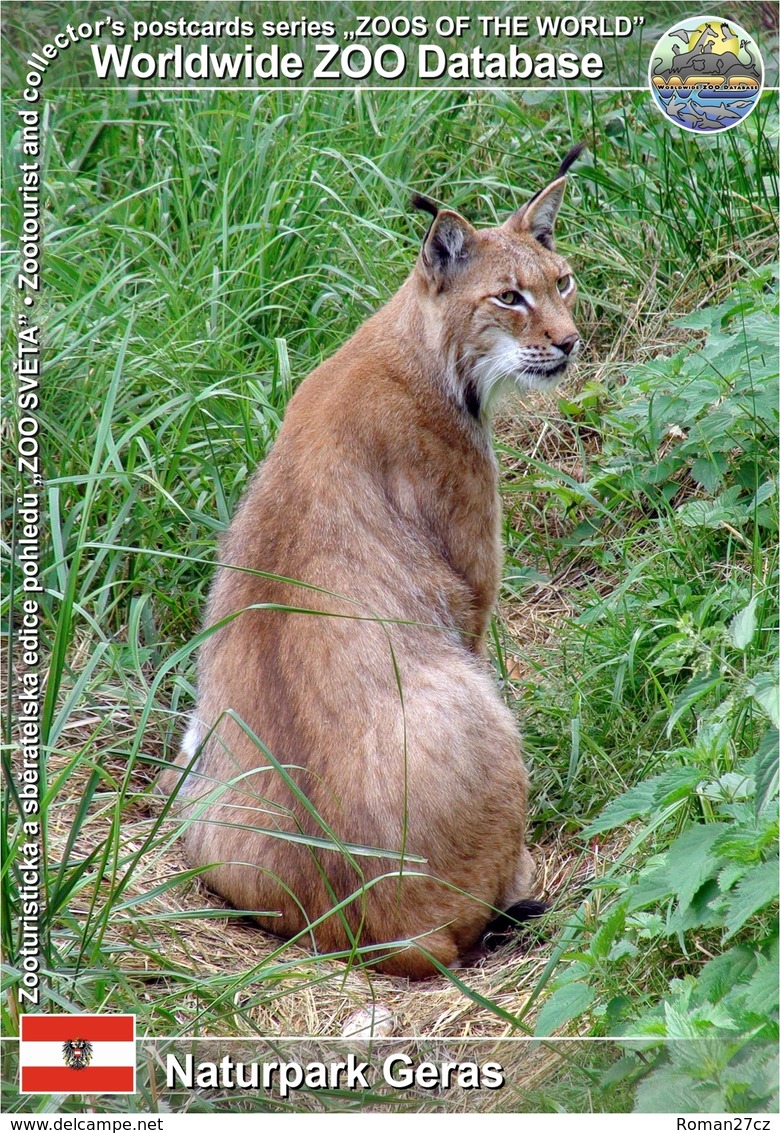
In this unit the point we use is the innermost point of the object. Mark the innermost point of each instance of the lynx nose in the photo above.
(568, 343)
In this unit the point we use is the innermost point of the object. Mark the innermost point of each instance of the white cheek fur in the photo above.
(507, 365)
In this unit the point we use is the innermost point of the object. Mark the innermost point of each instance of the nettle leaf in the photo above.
(667, 1092)
(706, 908)
(691, 854)
(602, 941)
(761, 994)
(748, 841)
(767, 768)
(719, 975)
(725, 508)
(693, 692)
(623, 948)
(647, 925)
(728, 788)
(714, 432)
(765, 690)
(709, 471)
(686, 866)
(751, 1079)
(625, 1067)
(654, 884)
(699, 396)
(577, 970)
(742, 627)
(565, 1004)
(762, 407)
(756, 890)
(767, 490)
(679, 1024)
(731, 874)
(707, 318)
(650, 795)
(663, 469)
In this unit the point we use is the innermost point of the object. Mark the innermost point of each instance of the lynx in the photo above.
(345, 700)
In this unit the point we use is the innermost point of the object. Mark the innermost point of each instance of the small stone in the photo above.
(375, 1022)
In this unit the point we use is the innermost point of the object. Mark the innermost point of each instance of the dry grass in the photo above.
(313, 998)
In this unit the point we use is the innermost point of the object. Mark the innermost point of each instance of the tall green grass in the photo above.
(203, 252)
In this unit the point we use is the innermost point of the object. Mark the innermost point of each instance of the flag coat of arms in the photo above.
(77, 1054)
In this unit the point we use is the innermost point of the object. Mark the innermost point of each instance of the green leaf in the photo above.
(709, 471)
(705, 907)
(757, 889)
(694, 691)
(626, 1067)
(566, 1003)
(653, 884)
(767, 768)
(691, 861)
(650, 795)
(730, 787)
(669, 1092)
(712, 513)
(731, 874)
(761, 994)
(679, 1021)
(765, 690)
(719, 975)
(686, 866)
(764, 493)
(742, 627)
(614, 924)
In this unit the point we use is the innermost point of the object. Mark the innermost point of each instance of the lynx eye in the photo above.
(512, 299)
(565, 284)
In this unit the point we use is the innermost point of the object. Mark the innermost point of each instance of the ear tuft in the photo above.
(569, 160)
(425, 204)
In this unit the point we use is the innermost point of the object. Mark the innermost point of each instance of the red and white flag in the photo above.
(77, 1054)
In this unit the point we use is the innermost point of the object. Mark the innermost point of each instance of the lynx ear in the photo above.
(447, 245)
(538, 216)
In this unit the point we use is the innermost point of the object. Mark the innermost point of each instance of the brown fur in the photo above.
(382, 491)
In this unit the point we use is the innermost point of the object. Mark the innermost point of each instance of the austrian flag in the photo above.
(77, 1054)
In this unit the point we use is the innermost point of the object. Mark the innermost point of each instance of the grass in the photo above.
(203, 252)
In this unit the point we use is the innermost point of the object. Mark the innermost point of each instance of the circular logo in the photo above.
(706, 74)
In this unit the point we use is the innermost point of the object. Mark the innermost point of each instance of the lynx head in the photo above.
(501, 298)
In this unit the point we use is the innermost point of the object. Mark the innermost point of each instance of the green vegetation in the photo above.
(203, 251)
(678, 661)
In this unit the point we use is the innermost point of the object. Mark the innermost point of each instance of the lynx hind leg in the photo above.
(469, 790)
(522, 886)
(519, 906)
(413, 963)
